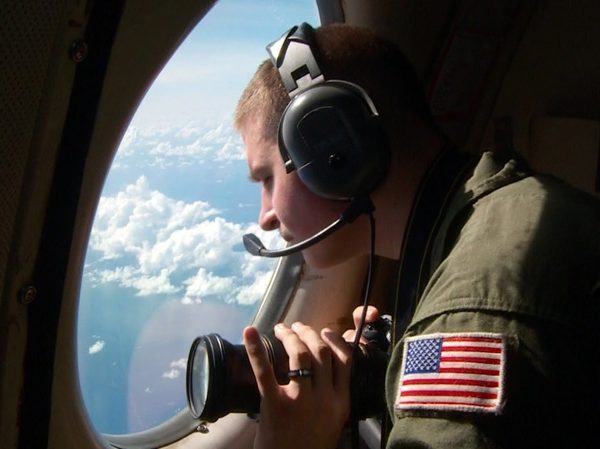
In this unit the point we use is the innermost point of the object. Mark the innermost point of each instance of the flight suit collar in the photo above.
(492, 172)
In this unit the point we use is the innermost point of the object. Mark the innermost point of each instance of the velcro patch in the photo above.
(459, 372)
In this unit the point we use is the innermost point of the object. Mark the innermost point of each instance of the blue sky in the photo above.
(165, 261)
(231, 41)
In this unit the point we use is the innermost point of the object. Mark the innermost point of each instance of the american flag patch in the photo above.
(462, 372)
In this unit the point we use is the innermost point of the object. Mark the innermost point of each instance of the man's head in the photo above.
(350, 54)
(344, 53)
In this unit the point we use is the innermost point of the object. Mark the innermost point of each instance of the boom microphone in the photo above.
(359, 205)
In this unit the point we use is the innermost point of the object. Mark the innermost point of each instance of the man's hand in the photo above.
(309, 412)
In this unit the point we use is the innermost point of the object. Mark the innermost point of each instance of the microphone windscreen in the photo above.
(253, 244)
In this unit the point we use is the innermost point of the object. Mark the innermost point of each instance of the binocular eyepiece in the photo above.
(220, 380)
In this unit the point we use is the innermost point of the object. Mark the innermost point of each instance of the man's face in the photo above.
(288, 205)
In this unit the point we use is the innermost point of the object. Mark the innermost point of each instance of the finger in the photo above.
(371, 315)
(341, 359)
(259, 361)
(349, 335)
(320, 352)
(298, 353)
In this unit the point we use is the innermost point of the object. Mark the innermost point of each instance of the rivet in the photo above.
(202, 427)
(78, 51)
(27, 294)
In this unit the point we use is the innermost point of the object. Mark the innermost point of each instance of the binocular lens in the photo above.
(220, 379)
(198, 376)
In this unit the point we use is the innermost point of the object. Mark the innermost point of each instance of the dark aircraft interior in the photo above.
(506, 74)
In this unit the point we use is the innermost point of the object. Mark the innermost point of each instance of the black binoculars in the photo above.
(220, 380)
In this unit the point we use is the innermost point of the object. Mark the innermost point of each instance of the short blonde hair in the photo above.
(264, 98)
(346, 53)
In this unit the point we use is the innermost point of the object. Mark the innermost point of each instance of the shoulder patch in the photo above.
(452, 372)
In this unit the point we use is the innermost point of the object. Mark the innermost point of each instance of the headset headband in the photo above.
(292, 54)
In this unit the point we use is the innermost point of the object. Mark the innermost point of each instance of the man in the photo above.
(500, 342)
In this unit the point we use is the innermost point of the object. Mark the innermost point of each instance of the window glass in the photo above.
(165, 261)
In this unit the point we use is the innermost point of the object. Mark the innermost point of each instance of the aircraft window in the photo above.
(165, 261)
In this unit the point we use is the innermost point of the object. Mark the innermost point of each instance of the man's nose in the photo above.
(268, 220)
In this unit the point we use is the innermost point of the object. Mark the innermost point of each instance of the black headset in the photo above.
(330, 132)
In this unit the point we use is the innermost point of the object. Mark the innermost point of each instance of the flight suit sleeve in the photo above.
(543, 396)
(503, 347)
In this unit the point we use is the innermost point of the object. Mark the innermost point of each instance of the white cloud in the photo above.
(251, 293)
(97, 347)
(130, 220)
(180, 363)
(171, 374)
(182, 145)
(129, 276)
(177, 369)
(231, 150)
(206, 283)
(188, 301)
(157, 245)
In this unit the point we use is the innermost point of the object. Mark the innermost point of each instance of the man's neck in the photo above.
(395, 198)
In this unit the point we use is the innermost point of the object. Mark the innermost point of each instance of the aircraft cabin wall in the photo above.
(34, 91)
(550, 98)
(506, 74)
(63, 116)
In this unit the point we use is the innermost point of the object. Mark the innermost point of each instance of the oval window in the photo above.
(165, 261)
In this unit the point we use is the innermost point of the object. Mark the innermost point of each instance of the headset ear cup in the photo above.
(333, 137)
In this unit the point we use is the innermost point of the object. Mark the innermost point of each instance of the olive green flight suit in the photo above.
(516, 256)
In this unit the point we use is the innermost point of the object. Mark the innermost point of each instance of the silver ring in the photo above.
(299, 373)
